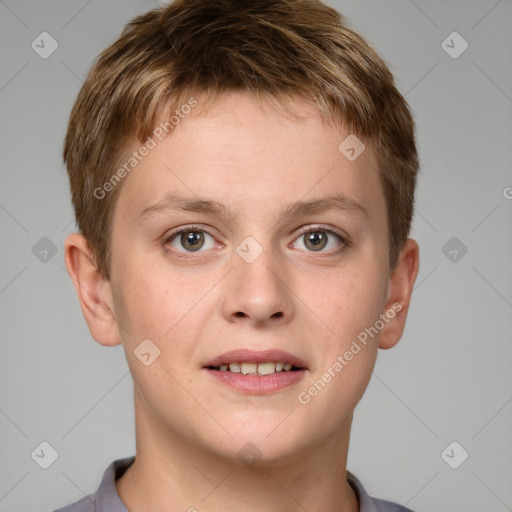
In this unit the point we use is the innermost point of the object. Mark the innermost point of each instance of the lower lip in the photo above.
(258, 384)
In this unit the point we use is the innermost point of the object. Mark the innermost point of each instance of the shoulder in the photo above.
(369, 504)
(388, 506)
(86, 504)
(106, 497)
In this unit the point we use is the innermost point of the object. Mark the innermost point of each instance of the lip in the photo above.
(257, 384)
(253, 356)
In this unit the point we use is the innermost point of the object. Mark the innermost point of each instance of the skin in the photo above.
(313, 304)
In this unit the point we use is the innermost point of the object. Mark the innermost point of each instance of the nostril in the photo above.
(241, 314)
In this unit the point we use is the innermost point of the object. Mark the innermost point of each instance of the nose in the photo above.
(257, 292)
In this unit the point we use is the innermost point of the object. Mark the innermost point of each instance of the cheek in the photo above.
(158, 307)
(166, 305)
(149, 304)
(349, 305)
(346, 301)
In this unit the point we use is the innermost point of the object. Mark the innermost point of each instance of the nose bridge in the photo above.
(257, 290)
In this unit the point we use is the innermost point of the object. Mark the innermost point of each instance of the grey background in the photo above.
(449, 378)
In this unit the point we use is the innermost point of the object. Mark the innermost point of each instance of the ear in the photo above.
(93, 290)
(401, 284)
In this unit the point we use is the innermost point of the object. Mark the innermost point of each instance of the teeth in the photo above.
(249, 368)
(266, 368)
(234, 367)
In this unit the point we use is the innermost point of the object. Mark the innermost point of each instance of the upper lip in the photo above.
(256, 356)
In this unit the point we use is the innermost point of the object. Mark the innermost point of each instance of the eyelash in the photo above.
(344, 240)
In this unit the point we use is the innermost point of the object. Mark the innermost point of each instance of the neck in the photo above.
(171, 472)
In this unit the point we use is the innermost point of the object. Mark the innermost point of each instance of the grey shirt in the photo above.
(106, 498)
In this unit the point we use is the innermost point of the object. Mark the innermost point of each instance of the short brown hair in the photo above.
(278, 49)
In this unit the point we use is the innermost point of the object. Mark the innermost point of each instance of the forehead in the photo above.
(251, 157)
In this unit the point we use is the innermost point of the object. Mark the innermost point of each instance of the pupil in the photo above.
(193, 240)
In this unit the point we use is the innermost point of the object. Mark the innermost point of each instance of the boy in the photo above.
(243, 178)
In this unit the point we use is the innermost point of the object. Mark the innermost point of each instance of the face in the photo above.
(248, 237)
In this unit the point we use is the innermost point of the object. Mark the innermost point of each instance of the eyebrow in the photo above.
(175, 202)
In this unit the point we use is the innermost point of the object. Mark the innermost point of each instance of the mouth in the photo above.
(257, 372)
(266, 368)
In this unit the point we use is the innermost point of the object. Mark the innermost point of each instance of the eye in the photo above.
(318, 239)
(190, 239)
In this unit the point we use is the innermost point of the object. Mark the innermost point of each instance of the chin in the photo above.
(263, 442)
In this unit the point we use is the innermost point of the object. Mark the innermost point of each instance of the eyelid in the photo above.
(304, 229)
(344, 238)
(325, 227)
(189, 227)
(167, 238)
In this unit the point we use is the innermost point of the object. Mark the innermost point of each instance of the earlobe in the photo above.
(401, 284)
(93, 290)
